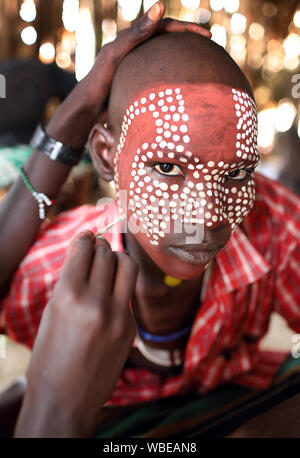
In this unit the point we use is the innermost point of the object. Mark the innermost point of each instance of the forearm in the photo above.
(49, 417)
(19, 217)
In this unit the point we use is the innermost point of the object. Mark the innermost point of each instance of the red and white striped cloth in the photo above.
(256, 273)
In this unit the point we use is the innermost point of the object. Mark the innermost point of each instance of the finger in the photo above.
(125, 280)
(142, 29)
(173, 25)
(78, 260)
(103, 268)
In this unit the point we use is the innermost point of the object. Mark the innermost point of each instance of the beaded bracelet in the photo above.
(40, 197)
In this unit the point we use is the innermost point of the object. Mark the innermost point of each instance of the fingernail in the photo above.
(86, 233)
(154, 12)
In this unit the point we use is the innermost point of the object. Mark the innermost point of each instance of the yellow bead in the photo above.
(172, 281)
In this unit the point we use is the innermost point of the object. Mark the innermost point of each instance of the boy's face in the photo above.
(184, 164)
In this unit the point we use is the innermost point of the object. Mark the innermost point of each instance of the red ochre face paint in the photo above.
(185, 157)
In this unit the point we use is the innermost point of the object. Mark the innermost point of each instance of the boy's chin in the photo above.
(186, 272)
(176, 263)
(177, 268)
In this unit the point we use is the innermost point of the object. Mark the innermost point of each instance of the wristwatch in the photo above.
(56, 151)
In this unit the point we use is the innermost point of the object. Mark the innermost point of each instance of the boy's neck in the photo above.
(158, 308)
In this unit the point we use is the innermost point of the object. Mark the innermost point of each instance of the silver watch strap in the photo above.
(55, 150)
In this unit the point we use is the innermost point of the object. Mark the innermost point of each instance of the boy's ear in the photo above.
(101, 143)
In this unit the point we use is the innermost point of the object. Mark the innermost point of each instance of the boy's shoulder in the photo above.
(278, 203)
(273, 225)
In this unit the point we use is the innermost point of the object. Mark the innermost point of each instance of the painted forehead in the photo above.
(209, 121)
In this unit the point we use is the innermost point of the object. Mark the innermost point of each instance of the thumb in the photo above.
(148, 21)
(142, 29)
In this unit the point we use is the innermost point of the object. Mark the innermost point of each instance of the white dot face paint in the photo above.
(207, 185)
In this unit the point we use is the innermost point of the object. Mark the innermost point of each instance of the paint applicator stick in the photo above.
(110, 225)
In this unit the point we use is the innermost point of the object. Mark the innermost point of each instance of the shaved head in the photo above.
(184, 127)
(171, 58)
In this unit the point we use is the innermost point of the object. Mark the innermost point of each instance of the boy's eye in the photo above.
(239, 174)
(166, 168)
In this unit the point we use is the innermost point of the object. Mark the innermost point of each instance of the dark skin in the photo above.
(91, 299)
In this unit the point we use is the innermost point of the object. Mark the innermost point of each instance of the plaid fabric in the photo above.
(256, 273)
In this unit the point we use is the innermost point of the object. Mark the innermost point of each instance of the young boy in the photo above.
(213, 265)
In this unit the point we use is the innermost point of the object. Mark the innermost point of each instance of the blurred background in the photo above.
(47, 46)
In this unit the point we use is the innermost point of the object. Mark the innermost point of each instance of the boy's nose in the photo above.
(212, 237)
(207, 210)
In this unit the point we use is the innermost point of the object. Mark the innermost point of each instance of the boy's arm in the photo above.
(71, 124)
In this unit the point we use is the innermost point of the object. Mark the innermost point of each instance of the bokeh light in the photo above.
(47, 53)
(202, 15)
(129, 9)
(231, 6)
(296, 19)
(262, 95)
(291, 63)
(29, 35)
(28, 11)
(269, 9)
(238, 49)
(238, 23)
(191, 4)
(285, 115)
(217, 5)
(148, 4)
(70, 14)
(266, 129)
(292, 45)
(256, 31)
(86, 44)
(218, 34)
(63, 60)
(109, 30)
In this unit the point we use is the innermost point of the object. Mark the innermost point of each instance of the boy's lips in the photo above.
(195, 254)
